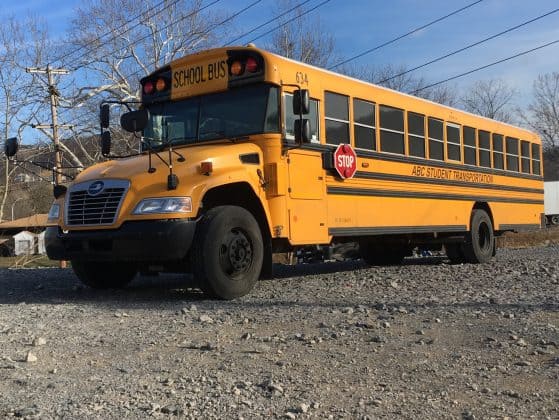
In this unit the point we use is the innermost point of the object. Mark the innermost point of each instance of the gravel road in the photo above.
(423, 340)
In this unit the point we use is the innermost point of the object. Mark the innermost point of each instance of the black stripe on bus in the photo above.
(406, 178)
(417, 161)
(520, 227)
(366, 192)
(393, 230)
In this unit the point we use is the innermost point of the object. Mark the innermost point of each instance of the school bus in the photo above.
(245, 153)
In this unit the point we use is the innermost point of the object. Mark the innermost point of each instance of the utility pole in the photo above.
(54, 94)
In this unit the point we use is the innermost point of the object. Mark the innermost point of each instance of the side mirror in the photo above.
(11, 146)
(301, 102)
(134, 121)
(302, 131)
(105, 115)
(105, 143)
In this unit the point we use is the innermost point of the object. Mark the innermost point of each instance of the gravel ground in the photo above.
(340, 340)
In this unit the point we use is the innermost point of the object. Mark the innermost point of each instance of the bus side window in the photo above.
(498, 160)
(416, 134)
(525, 152)
(512, 154)
(391, 130)
(470, 146)
(290, 118)
(484, 149)
(336, 109)
(453, 142)
(436, 140)
(364, 128)
(536, 163)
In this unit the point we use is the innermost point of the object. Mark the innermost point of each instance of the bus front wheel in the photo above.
(228, 252)
(479, 244)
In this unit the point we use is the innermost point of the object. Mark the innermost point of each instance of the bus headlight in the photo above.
(164, 205)
(54, 213)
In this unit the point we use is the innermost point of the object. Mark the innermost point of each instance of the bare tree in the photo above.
(490, 98)
(543, 112)
(301, 37)
(114, 43)
(22, 43)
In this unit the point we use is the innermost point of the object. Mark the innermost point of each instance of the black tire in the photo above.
(479, 243)
(228, 252)
(374, 254)
(455, 252)
(554, 220)
(104, 275)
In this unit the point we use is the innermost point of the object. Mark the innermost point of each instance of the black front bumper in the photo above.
(143, 241)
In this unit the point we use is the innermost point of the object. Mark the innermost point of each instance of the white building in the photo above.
(24, 243)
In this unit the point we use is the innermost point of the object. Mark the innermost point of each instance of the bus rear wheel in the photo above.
(104, 275)
(228, 252)
(479, 244)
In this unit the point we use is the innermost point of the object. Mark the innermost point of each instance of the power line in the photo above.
(468, 47)
(484, 67)
(267, 22)
(290, 20)
(93, 41)
(405, 35)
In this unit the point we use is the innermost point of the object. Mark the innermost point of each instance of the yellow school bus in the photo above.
(245, 153)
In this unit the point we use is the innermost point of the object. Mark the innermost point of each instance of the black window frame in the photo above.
(512, 158)
(484, 150)
(416, 136)
(452, 146)
(391, 136)
(359, 126)
(498, 152)
(469, 150)
(331, 120)
(433, 140)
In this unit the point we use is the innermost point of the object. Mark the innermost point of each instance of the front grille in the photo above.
(100, 209)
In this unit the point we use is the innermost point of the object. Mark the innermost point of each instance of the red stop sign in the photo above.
(345, 161)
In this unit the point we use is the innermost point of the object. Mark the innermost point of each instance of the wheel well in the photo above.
(237, 194)
(481, 205)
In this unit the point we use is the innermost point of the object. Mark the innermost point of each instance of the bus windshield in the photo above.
(232, 114)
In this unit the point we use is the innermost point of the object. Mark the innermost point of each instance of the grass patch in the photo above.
(27, 261)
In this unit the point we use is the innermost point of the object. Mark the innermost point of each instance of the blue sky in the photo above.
(357, 25)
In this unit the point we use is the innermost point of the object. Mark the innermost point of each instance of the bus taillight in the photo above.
(148, 88)
(251, 65)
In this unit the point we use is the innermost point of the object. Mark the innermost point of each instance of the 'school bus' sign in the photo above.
(202, 77)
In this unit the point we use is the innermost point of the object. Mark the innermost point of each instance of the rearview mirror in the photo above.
(301, 102)
(302, 131)
(11, 146)
(105, 143)
(134, 121)
(105, 115)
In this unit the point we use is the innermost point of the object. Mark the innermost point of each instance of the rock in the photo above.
(205, 319)
(39, 341)
(31, 358)
(303, 408)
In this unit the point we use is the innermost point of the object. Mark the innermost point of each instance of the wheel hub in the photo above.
(239, 252)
